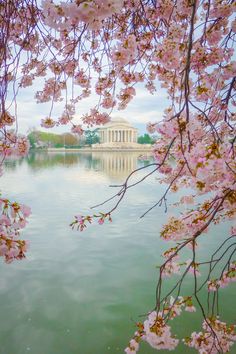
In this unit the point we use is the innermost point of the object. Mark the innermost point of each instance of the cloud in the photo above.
(142, 109)
(140, 116)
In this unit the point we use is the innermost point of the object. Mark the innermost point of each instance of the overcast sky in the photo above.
(142, 109)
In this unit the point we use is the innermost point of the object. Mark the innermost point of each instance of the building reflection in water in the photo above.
(116, 165)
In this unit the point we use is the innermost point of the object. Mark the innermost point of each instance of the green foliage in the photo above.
(41, 139)
(32, 140)
(146, 139)
(91, 137)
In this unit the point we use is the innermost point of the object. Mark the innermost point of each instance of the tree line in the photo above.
(40, 139)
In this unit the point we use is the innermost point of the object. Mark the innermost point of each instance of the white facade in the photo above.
(118, 132)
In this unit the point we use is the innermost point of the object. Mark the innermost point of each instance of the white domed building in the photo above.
(118, 134)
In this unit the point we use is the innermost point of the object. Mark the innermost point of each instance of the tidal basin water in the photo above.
(81, 293)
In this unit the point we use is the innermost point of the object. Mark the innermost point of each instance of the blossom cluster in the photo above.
(68, 15)
(215, 337)
(77, 129)
(158, 333)
(95, 118)
(194, 221)
(109, 47)
(12, 144)
(13, 218)
(171, 266)
(228, 276)
(80, 222)
(48, 123)
(155, 331)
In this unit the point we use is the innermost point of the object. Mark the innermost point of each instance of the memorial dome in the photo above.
(117, 121)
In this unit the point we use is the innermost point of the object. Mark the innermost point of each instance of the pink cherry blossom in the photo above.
(77, 129)
(69, 50)
(48, 123)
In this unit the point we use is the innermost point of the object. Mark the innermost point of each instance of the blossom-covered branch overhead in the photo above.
(110, 48)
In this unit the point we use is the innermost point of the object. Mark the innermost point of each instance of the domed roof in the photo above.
(117, 121)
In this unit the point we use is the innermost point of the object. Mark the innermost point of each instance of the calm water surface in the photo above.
(81, 293)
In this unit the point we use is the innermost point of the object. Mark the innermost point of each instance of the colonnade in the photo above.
(122, 136)
(119, 164)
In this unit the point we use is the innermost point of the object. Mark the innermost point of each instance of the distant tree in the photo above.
(69, 140)
(145, 139)
(91, 137)
(50, 139)
(32, 140)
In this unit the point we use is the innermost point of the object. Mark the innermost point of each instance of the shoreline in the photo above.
(147, 149)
